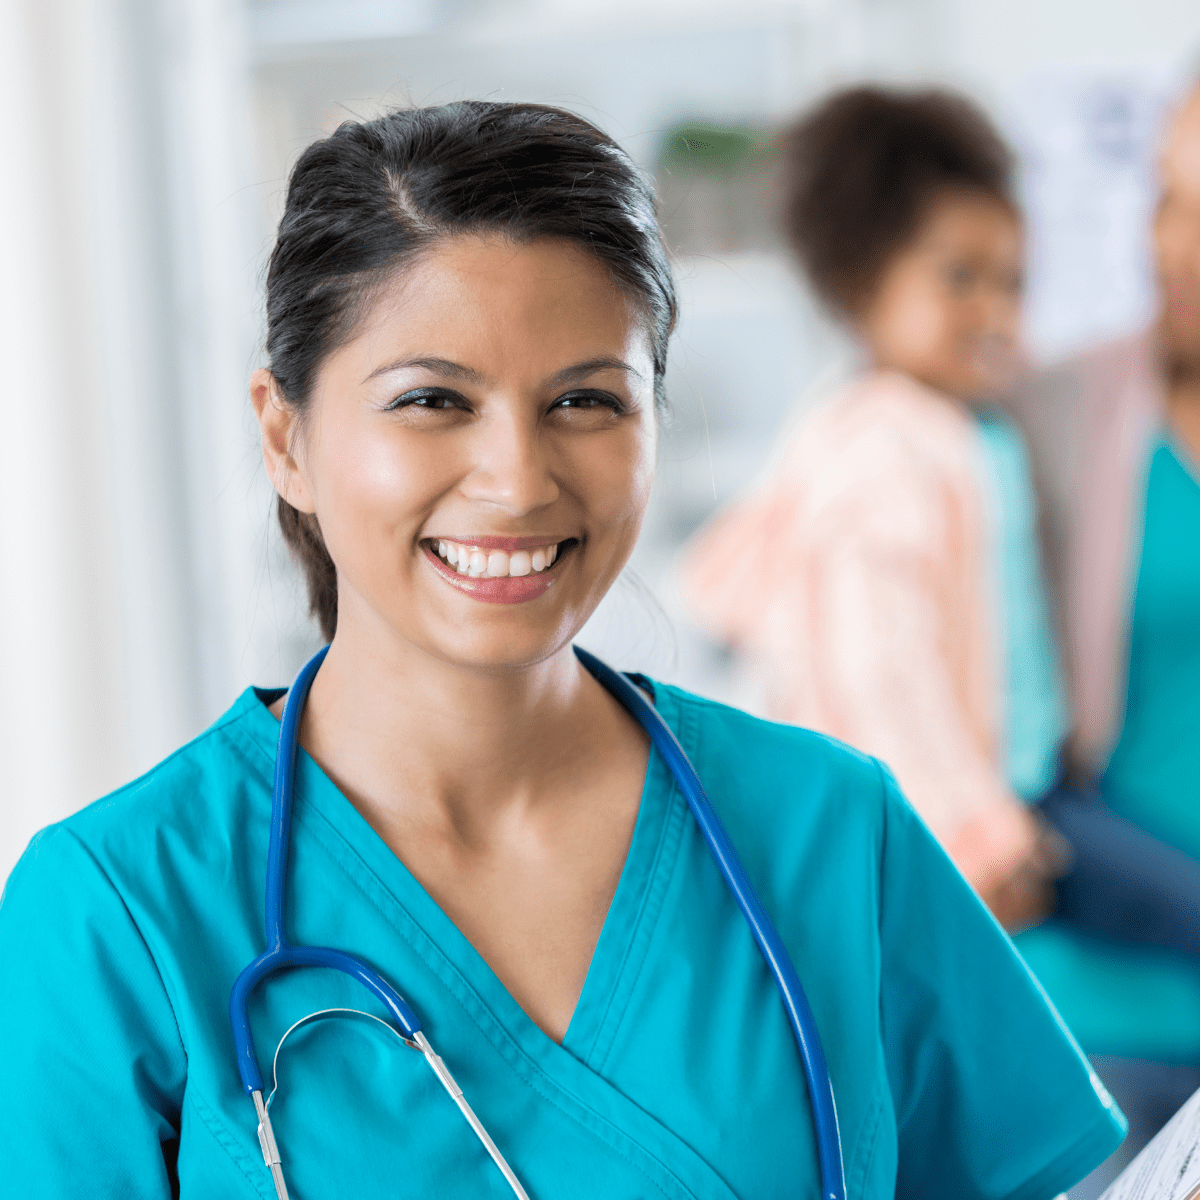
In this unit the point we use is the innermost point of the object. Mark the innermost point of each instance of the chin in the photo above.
(498, 659)
(500, 645)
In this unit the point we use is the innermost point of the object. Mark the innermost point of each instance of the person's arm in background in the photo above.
(897, 637)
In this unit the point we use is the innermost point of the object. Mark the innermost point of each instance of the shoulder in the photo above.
(888, 409)
(178, 808)
(884, 435)
(716, 726)
(769, 776)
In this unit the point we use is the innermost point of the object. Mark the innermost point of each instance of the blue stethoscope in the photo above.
(281, 954)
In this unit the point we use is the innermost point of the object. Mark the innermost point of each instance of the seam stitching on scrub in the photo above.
(653, 893)
(883, 841)
(870, 1131)
(228, 1142)
(672, 835)
(671, 839)
(526, 1068)
(116, 891)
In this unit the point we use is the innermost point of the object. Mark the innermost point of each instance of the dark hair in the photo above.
(375, 193)
(861, 170)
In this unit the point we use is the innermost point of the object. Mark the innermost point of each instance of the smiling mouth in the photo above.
(480, 562)
(516, 570)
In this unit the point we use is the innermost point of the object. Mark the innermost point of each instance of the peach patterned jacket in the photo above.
(857, 578)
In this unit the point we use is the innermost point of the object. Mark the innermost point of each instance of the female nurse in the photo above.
(468, 310)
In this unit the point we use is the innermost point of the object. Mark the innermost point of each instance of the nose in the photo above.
(513, 465)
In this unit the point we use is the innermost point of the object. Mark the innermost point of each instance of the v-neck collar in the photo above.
(628, 925)
(566, 1077)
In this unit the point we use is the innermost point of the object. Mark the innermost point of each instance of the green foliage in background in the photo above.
(726, 148)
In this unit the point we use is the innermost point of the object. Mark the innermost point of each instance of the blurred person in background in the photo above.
(886, 578)
(1115, 439)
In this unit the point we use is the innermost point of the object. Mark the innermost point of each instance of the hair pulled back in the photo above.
(861, 170)
(374, 194)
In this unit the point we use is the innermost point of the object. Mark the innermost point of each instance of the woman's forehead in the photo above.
(497, 305)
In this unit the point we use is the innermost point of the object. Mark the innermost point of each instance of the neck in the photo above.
(1182, 374)
(459, 746)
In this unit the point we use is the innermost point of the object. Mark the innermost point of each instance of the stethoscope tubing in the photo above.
(770, 944)
(281, 954)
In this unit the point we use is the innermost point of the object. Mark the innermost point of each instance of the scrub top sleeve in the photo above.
(991, 1094)
(93, 1068)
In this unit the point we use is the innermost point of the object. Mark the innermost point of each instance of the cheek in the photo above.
(372, 491)
(918, 323)
(614, 480)
(1178, 246)
(1011, 320)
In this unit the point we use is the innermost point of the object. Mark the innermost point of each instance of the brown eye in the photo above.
(427, 397)
(589, 400)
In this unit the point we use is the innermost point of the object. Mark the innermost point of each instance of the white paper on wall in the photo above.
(1088, 143)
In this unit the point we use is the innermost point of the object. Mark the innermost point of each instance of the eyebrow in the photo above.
(590, 367)
(439, 366)
(453, 370)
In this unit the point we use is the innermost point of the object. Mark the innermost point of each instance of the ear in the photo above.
(278, 421)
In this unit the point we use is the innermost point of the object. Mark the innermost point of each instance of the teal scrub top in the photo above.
(123, 928)
(1035, 707)
(1130, 1001)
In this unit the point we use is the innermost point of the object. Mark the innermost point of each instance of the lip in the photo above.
(507, 589)
(484, 542)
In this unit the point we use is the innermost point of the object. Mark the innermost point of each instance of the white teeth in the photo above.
(495, 564)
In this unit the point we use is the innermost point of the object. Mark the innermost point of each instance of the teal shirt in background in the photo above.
(1145, 1003)
(1035, 708)
(1153, 776)
(123, 928)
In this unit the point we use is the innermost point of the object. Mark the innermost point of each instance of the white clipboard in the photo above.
(1169, 1167)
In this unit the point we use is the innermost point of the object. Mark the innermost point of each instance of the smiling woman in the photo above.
(468, 313)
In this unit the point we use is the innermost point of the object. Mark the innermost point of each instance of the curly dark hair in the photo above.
(372, 195)
(861, 169)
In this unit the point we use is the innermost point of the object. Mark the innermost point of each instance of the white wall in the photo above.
(58, 597)
(131, 513)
